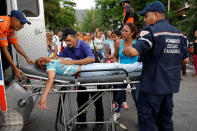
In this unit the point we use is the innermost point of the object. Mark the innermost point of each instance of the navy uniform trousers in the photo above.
(155, 112)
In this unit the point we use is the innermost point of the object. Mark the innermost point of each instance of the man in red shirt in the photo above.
(8, 26)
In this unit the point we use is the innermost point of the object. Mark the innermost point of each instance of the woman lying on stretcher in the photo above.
(54, 67)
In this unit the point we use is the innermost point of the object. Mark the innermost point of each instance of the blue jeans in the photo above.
(121, 96)
(100, 51)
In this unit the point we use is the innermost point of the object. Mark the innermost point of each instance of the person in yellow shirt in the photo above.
(8, 26)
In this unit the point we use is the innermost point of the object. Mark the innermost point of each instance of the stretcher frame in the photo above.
(62, 89)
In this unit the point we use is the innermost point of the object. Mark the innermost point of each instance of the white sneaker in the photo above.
(116, 116)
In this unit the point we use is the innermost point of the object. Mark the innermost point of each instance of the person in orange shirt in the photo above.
(84, 37)
(129, 14)
(8, 26)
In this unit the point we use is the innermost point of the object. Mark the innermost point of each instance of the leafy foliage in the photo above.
(91, 21)
(110, 13)
(189, 24)
(57, 17)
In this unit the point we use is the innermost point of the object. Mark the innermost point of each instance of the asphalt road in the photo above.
(185, 110)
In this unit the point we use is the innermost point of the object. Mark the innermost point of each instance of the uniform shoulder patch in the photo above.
(1, 20)
(143, 33)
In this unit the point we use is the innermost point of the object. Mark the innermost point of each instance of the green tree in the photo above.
(112, 13)
(109, 14)
(91, 21)
(172, 16)
(189, 24)
(58, 17)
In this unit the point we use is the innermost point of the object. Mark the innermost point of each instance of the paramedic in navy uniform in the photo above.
(162, 48)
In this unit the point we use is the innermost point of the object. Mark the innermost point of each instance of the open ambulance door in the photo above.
(32, 38)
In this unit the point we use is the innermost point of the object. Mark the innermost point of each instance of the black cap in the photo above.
(20, 16)
(155, 6)
(124, 1)
(66, 32)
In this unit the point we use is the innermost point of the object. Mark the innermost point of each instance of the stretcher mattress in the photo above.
(34, 70)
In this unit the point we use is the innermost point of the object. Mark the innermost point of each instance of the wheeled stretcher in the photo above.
(68, 84)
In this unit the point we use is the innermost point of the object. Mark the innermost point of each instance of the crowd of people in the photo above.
(109, 46)
(98, 41)
(161, 47)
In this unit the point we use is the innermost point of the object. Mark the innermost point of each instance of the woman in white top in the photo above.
(99, 43)
(90, 41)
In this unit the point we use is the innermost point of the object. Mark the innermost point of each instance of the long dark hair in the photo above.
(116, 32)
(133, 28)
(40, 67)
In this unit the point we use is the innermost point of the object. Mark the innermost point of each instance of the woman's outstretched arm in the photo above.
(51, 76)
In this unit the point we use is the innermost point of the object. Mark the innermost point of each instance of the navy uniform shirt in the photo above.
(162, 48)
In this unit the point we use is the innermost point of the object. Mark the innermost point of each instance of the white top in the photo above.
(57, 41)
(98, 43)
(103, 37)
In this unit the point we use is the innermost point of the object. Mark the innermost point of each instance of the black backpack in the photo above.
(98, 57)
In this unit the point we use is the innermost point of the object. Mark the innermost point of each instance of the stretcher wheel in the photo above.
(22, 102)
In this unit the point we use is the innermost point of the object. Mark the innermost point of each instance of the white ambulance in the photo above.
(32, 38)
